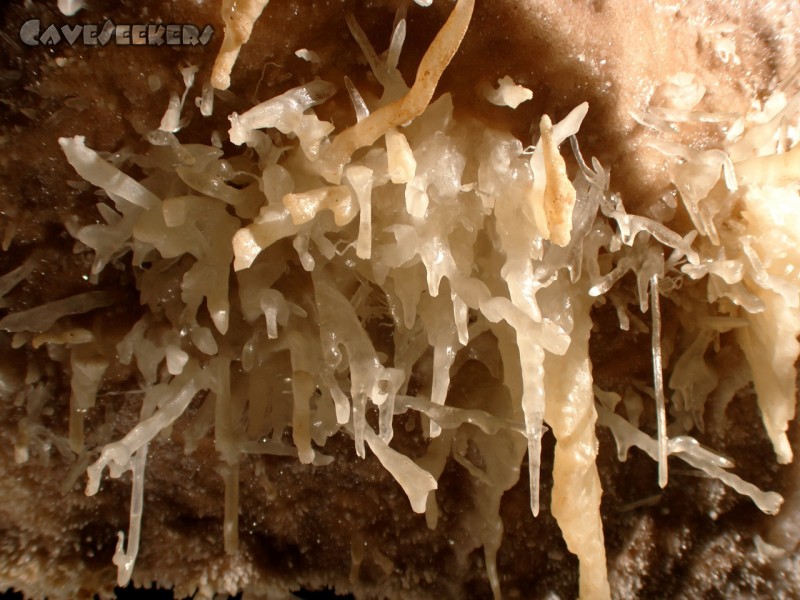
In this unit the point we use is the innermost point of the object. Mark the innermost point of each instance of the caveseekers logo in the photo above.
(32, 33)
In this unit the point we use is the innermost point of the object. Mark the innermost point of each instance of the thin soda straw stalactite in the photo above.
(658, 382)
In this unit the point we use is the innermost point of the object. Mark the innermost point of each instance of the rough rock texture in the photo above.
(348, 525)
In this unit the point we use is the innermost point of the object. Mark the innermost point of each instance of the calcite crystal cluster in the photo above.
(463, 300)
